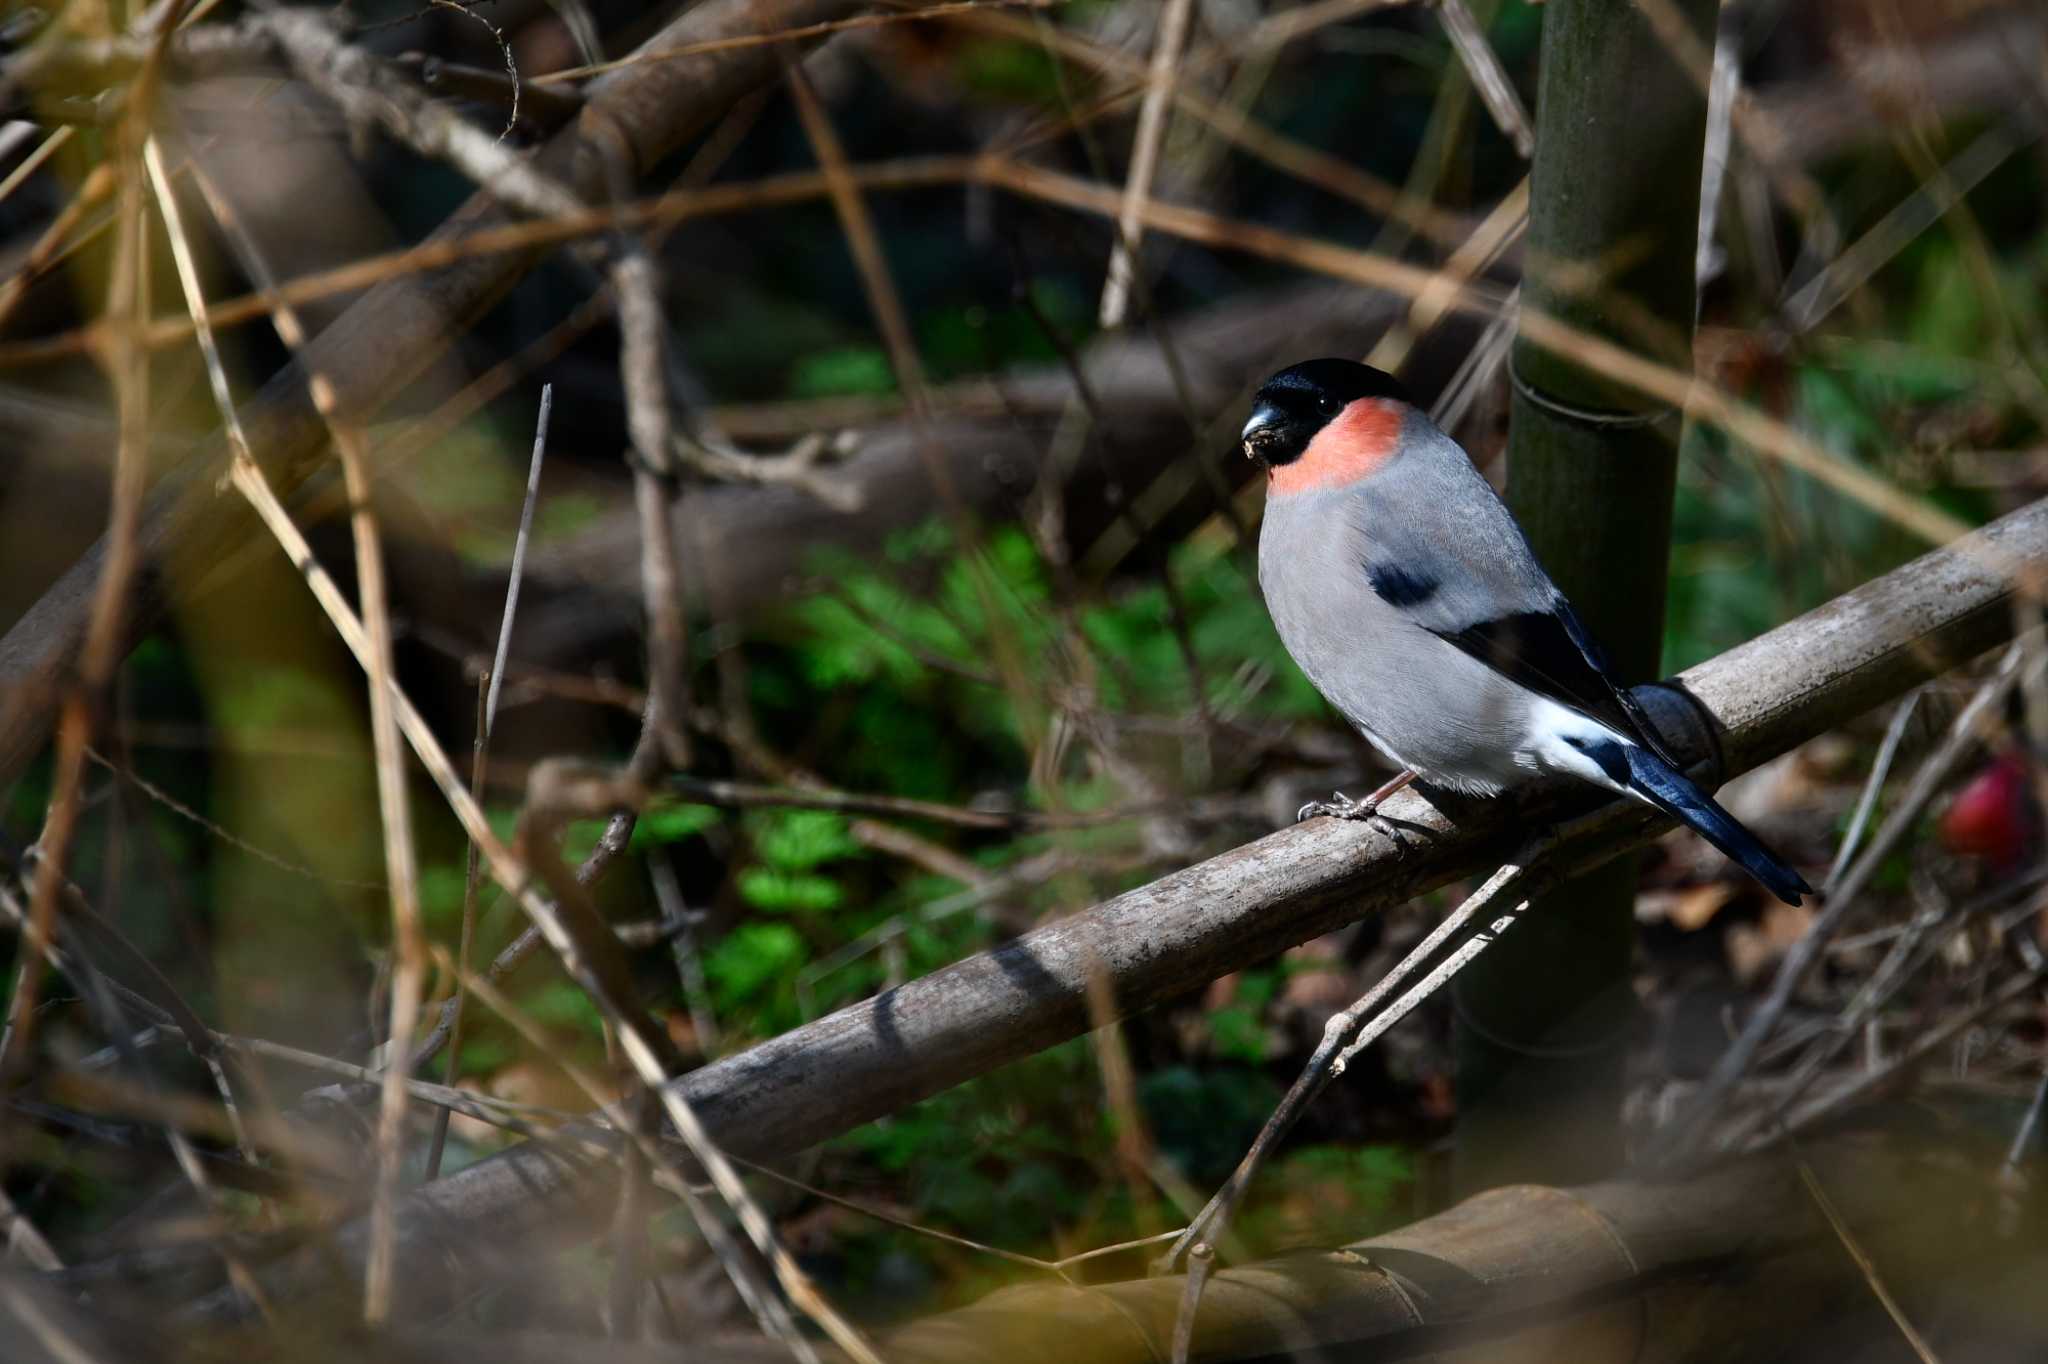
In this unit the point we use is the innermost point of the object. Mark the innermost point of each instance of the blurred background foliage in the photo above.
(1138, 699)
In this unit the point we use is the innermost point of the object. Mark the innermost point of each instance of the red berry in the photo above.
(1992, 817)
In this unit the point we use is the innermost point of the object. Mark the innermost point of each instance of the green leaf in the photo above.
(798, 840)
(664, 824)
(750, 957)
(560, 515)
(841, 371)
(1000, 69)
(482, 1055)
(579, 839)
(786, 892)
(503, 820)
(1238, 1033)
(441, 892)
(1947, 317)
(562, 1004)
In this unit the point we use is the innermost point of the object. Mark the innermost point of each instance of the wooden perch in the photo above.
(1160, 940)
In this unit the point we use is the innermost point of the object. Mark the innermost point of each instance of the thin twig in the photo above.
(409, 968)
(1684, 1136)
(1933, 1040)
(146, 988)
(1359, 1025)
(409, 974)
(485, 1108)
(554, 791)
(683, 944)
(127, 365)
(368, 90)
(100, 991)
(642, 369)
(611, 845)
(1056, 1267)
(1865, 1265)
(885, 302)
(641, 1046)
(636, 282)
(2029, 1124)
(1724, 79)
(1232, 125)
(540, 445)
(24, 1241)
(161, 797)
(1084, 410)
(504, 50)
(99, 183)
(1489, 78)
(486, 721)
(505, 868)
(1880, 768)
(1909, 951)
(33, 162)
(629, 1219)
(1151, 135)
(437, 1145)
(1920, 210)
(1684, 391)
(1201, 1260)
(766, 1307)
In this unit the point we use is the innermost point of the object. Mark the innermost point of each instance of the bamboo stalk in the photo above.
(1613, 214)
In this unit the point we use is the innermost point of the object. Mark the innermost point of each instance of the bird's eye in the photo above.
(1329, 406)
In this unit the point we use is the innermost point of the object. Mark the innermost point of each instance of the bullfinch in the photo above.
(1401, 584)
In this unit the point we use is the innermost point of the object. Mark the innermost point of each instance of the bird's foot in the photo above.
(1339, 806)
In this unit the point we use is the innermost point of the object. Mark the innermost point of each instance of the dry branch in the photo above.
(1155, 942)
(993, 437)
(385, 340)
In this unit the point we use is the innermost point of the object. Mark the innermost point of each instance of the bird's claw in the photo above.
(1339, 806)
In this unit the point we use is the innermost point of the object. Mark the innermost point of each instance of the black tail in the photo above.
(1676, 796)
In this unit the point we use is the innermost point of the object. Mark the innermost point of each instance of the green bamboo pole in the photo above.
(1543, 1019)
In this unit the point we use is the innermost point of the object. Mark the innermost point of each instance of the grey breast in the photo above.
(1448, 552)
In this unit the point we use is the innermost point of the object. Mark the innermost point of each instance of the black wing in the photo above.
(1550, 653)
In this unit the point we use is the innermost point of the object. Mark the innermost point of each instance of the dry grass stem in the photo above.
(1686, 1136)
(1353, 1029)
(1865, 1265)
(1699, 400)
(1167, 43)
(408, 975)
(766, 1308)
(490, 688)
(127, 365)
(1496, 91)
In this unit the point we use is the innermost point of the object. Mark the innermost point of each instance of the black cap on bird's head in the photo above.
(1298, 401)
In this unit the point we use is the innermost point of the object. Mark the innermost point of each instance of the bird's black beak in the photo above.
(1262, 432)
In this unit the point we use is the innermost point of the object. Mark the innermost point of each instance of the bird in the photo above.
(1404, 589)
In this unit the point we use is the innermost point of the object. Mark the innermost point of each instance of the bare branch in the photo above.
(383, 341)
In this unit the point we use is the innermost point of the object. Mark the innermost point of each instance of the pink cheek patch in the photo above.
(1356, 444)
